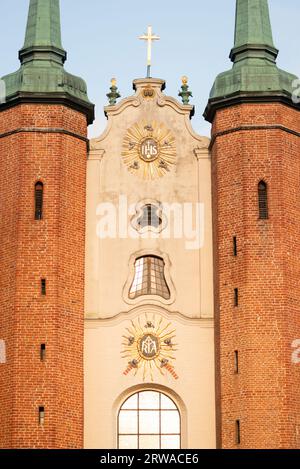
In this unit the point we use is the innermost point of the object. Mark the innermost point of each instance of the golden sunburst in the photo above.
(148, 346)
(149, 150)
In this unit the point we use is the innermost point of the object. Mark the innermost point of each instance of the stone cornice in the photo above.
(251, 128)
(45, 130)
(51, 98)
(243, 98)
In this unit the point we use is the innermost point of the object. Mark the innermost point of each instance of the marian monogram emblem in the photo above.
(149, 347)
(149, 150)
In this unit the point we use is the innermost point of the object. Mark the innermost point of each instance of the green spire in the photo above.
(43, 25)
(42, 75)
(254, 74)
(252, 25)
(43, 35)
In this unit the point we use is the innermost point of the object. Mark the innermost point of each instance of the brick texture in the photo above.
(30, 250)
(264, 396)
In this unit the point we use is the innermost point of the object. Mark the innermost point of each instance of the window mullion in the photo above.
(149, 275)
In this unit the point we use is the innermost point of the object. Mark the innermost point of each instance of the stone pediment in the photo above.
(149, 102)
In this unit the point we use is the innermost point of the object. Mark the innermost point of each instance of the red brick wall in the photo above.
(30, 250)
(264, 396)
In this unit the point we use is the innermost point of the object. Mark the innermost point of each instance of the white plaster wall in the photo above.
(107, 260)
(109, 264)
(106, 387)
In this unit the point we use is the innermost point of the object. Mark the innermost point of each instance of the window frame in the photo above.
(150, 267)
(263, 200)
(39, 213)
(150, 213)
(140, 206)
(160, 410)
(149, 299)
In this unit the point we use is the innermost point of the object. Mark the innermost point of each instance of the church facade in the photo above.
(149, 277)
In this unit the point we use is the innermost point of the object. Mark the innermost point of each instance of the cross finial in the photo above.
(149, 37)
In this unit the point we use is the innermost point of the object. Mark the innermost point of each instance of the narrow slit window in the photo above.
(43, 287)
(2, 352)
(235, 248)
(150, 217)
(149, 278)
(39, 196)
(41, 415)
(236, 297)
(263, 201)
(236, 362)
(43, 352)
(237, 432)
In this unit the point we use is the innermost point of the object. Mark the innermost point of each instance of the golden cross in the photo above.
(149, 37)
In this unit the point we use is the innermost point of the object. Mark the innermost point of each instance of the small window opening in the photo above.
(43, 286)
(235, 248)
(43, 352)
(150, 216)
(39, 193)
(237, 432)
(236, 362)
(263, 200)
(236, 297)
(41, 415)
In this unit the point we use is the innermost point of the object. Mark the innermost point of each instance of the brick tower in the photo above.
(43, 147)
(256, 217)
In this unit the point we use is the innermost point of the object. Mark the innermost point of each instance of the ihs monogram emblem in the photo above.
(149, 150)
(149, 347)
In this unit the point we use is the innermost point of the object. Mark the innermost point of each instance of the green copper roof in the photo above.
(42, 74)
(252, 23)
(254, 71)
(43, 26)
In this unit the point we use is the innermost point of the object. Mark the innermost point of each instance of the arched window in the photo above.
(38, 197)
(149, 420)
(149, 278)
(149, 217)
(263, 200)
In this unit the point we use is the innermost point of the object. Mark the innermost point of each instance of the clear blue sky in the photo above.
(196, 37)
